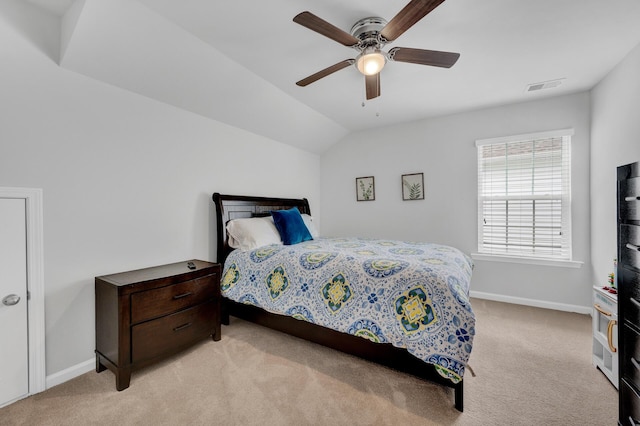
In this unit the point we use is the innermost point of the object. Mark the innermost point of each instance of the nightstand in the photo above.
(148, 314)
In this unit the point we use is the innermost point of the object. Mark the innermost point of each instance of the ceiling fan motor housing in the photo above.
(367, 30)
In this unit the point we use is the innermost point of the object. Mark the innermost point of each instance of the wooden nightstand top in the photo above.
(173, 270)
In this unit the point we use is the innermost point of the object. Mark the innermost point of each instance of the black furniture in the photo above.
(147, 314)
(230, 207)
(629, 292)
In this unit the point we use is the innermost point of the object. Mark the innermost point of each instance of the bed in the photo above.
(401, 304)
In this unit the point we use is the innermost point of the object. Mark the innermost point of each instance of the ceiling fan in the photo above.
(369, 35)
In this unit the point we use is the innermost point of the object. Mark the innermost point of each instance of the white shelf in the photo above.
(605, 333)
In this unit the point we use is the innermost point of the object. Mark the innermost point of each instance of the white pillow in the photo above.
(251, 233)
(308, 221)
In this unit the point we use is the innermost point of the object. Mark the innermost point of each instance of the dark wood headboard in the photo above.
(229, 207)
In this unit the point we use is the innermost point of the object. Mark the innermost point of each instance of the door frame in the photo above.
(35, 283)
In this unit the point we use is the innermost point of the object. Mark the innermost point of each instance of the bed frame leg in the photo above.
(458, 390)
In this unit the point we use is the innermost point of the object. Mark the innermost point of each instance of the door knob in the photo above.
(11, 300)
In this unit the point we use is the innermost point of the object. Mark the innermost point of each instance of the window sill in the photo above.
(527, 260)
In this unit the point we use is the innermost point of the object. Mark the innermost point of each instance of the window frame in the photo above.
(550, 260)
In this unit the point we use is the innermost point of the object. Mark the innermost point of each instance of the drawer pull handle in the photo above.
(182, 327)
(635, 302)
(632, 198)
(635, 363)
(180, 296)
(602, 311)
(612, 323)
(632, 247)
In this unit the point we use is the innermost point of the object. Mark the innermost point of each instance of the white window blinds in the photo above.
(524, 200)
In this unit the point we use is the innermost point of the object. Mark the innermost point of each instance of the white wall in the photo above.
(443, 149)
(615, 140)
(127, 181)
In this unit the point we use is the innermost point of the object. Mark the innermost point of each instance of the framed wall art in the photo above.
(413, 186)
(365, 188)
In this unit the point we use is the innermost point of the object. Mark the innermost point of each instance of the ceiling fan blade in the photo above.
(319, 25)
(325, 72)
(372, 84)
(423, 57)
(407, 17)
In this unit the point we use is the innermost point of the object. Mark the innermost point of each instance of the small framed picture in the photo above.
(413, 186)
(365, 188)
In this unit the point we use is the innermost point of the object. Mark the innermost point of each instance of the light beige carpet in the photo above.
(533, 367)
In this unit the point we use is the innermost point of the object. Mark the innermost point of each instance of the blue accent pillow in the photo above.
(291, 227)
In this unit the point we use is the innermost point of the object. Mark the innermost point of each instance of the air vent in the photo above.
(544, 85)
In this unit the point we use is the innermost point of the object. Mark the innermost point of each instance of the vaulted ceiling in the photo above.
(237, 62)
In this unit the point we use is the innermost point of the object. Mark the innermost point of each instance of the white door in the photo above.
(14, 349)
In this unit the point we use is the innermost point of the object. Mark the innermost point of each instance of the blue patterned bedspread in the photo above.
(412, 295)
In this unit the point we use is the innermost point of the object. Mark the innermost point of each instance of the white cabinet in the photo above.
(605, 333)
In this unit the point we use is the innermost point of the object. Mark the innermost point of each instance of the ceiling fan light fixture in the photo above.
(370, 61)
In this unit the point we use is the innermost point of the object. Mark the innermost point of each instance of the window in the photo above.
(524, 199)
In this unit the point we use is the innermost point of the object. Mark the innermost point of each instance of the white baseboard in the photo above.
(532, 302)
(6, 404)
(86, 366)
(70, 373)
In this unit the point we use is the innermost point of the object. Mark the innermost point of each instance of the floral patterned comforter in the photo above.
(412, 295)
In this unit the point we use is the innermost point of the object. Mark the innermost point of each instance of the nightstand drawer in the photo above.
(155, 303)
(629, 405)
(629, 294)
(163, 335)
(630, 356)
(630, 199)
(630, 246)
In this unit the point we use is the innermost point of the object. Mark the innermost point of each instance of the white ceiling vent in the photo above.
(544, 85)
